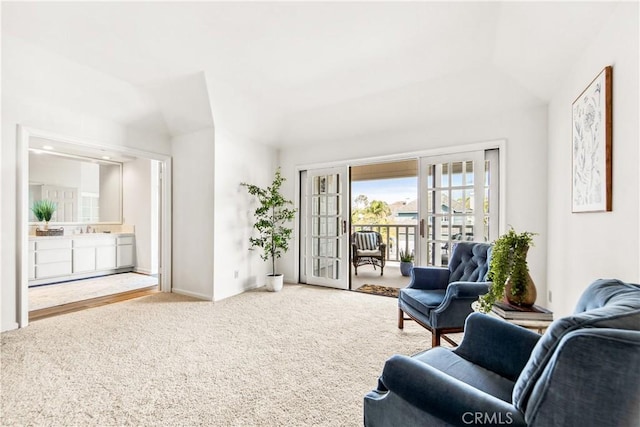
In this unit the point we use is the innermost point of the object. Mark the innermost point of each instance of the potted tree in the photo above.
(43, 211)
(406, 262)
(509, 271)
(271, 216)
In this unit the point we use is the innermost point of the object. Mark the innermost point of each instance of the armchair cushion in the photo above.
(366, 241)
(369, 252)
(609, 372)
(496, 345)
(423, 301)
(610, 304)
(469, 262)
(461, 369)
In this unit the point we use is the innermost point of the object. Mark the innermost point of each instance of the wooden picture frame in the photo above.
(591, 134)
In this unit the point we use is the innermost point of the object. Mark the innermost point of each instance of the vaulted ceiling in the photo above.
(288, 73)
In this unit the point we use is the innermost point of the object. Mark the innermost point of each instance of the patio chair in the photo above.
(367, 248)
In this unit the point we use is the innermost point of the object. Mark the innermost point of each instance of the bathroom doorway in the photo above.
(114, 247)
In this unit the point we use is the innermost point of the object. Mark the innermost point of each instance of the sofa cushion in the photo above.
(608, 303)
(476, 376)
(422, 300)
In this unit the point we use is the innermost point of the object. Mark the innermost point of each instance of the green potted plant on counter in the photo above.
(43, 211)
(271, 218)
(406, 262)
(509, 271)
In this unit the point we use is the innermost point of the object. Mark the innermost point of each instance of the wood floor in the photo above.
(89, 303)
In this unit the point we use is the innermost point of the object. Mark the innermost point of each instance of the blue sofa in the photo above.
(584, 371)
(439, 298)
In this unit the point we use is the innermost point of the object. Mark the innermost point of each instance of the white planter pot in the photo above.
(275, 283)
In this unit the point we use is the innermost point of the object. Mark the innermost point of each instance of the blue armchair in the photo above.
(582, 372)
(439, 298)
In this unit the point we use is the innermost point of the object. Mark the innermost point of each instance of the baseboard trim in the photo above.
(192, 294)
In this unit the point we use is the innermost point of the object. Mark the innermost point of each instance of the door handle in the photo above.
(344, 227)
(422, 227)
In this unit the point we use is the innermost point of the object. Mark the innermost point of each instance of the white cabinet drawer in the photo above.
(32, 245)
(53, 269)
(125, 240)
(53, 255)
(92, 243)
(53, 244)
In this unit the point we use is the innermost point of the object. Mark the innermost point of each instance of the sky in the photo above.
(387, 190)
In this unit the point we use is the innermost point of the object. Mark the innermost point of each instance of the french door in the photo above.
(458, 202)
(324, 225)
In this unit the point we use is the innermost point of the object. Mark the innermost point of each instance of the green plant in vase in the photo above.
(271, 216)
(43, 211)
(406, 262)
(509, 271)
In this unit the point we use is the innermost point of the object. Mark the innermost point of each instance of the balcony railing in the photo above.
(397, 237)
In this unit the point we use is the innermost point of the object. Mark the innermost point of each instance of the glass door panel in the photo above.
(326, 237)
(450, 209)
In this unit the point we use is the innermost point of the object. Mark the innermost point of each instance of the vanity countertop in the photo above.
(80, 236)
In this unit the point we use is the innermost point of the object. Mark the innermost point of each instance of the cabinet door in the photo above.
(125, 256)
(84, 259)
(105, 257)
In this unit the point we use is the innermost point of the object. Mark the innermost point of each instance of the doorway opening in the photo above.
(384, 200)
(110, 239)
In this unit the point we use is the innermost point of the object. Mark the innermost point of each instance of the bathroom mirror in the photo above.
(86, 190)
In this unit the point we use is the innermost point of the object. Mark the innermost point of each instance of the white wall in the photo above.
(238, 160)
(587, 246)
(526, 148)
(68, 99)
(193, 213)
(137, 210)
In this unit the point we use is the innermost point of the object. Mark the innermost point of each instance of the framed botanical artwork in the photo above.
(591, 146)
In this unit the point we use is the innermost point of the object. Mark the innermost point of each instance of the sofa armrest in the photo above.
(496, 345)
(429, 278)
(442, 396)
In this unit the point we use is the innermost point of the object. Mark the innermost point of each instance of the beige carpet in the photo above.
(303, 356)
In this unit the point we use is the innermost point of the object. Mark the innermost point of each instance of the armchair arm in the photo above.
(496, 345)
(467, 290)
(443, 396)
(429, 278)
(456, 305)
(383, 249)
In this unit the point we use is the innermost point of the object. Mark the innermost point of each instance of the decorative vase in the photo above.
(527, 298)
(405, 268)
(275, 282)
(45, 225)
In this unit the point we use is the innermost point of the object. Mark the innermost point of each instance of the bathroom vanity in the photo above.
(60, 258)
